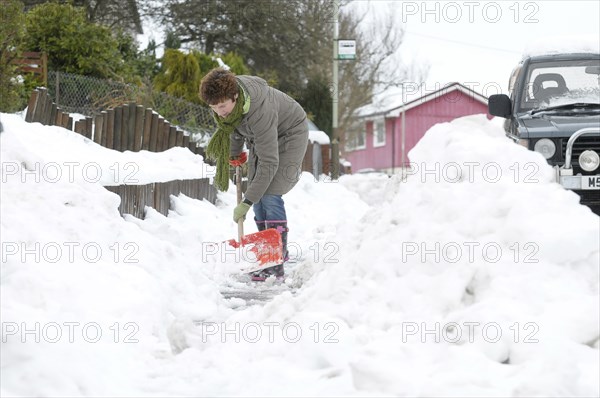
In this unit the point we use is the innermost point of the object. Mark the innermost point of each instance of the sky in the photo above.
(478, 43)
(395, 286)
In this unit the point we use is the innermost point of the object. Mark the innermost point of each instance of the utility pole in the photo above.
(335, 153)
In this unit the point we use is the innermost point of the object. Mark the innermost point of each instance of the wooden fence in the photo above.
(317, 159)
(33, 62)
(128, 127)
(133, 128)
(134, 198)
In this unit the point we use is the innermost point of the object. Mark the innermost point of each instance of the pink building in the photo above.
(388, 136)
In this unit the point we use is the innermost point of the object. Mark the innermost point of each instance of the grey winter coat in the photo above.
(275, 130)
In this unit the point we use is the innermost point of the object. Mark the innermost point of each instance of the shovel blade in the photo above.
(266, 246)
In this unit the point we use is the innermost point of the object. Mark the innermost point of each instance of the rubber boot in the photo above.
(262, 275)
(282, 228)
(261, 225)
(278, 271)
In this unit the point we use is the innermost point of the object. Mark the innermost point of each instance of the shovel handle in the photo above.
(238, 186)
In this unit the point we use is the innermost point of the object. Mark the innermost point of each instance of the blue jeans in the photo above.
(269, 208)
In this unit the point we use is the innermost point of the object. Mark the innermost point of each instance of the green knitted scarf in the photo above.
(219, 144)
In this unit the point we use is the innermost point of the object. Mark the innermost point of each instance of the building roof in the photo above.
(415, 99)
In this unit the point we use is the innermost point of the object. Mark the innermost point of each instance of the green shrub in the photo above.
(181, 73)
(72, 43)
(12, 87)
(179, 76)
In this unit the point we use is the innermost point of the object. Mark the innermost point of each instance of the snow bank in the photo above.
(84, 292)
(474, 275)
(55, 154)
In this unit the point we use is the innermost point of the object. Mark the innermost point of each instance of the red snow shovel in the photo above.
(265, 245)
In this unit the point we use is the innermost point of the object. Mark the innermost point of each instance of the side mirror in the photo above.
(593, 70)
(500, 105)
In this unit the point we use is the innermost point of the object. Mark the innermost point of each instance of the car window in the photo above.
(561, 82)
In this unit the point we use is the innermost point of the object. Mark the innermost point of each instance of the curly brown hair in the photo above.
(217, 86)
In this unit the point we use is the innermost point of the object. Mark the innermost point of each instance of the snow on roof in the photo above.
(414, 95)
(319, 137)
(562, 44)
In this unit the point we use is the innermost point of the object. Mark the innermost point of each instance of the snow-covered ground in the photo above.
(474, 275)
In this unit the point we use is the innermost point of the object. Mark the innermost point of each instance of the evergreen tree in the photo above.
(71, 42)
(180, 75)
(317, 102)
(12, 20)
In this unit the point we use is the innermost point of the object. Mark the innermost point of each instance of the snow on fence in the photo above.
(128, 127)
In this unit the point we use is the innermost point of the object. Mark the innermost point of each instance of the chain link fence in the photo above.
(90, 96)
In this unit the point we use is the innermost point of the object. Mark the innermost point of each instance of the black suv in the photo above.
(554, 109)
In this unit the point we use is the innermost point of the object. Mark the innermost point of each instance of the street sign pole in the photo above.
(335, 154)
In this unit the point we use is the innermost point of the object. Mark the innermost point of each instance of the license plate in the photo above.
(590, 182)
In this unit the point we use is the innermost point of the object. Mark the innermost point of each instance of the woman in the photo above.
(274, 128)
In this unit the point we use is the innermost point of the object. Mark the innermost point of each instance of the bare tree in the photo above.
(377, 67)
(113, 13)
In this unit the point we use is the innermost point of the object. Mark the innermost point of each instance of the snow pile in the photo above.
(84, 292)
(88, 293)
(477, 276)
(476, 237)
(473, 275)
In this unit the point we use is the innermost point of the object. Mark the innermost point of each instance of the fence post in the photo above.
(80, 127)
(172, 137)
(39, 107)
(131, 127)
(98, 126)
(104, 128)
(52, 118)
(89, 123)
(110, 128)
(117, 128)
(148, 120)
(139, 128)
(48, 110)
(124, 128)
(57, 87)
(163, 137)
(64, 120)
(31, 105)
(156, 124)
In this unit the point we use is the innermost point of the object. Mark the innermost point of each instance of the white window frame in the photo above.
(363, 136)
(377, 125)
(352, 143)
